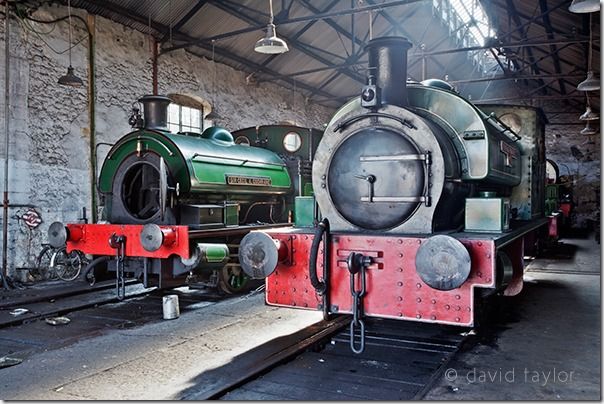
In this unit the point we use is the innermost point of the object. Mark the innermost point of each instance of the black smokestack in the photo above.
(155, 108)
(388, 64)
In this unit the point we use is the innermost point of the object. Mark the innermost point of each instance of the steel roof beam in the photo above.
(352, 59)
(236, 58)
(301, 32)
(544, 57)
(552, 48)
(185, 19)
(515, 77)
(317, 70)
(160, 28)
(514, 15)
(542, 83)
(331, 22)
(293, 43)
(530, 19)
(315, 17)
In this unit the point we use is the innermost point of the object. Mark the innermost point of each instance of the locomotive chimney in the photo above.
(388, 66)
(155, 108)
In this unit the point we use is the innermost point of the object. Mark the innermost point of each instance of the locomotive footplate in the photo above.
(151, 241)
(394, 289)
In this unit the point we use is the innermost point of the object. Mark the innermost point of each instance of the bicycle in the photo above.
(56, 263)
(42, 269)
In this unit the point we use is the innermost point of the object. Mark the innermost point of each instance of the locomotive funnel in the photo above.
(155, 108)
(388, 64)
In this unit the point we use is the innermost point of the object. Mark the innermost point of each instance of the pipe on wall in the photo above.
(90, 24)
(155, 55)
(6, 144)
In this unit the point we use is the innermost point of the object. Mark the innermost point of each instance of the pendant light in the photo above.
(588, 129)
(213, 115)
(589, 115)
(584, 6)
(70, 79)
(271, 44)
(590, 83)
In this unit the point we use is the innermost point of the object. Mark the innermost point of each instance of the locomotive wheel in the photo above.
(232, 280)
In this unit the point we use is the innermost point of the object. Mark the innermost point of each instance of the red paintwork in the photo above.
(552, 225)
(565, 208)
(394, 289)
(515, 251)
(94, 239)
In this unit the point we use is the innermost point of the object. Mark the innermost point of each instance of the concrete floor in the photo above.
(158, 361)
(547, 344)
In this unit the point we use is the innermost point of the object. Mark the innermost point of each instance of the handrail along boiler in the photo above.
(422, 200)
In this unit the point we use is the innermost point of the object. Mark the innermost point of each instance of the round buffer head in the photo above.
(151, 237)
(258, 255)
(57, 234)
(443, 262)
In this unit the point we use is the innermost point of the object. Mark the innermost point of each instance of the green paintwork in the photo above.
(201, 165)
(215, 253)
(271, 137)
(304, 211)
(231, 215)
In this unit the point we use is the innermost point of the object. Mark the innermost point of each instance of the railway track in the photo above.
(400, 362)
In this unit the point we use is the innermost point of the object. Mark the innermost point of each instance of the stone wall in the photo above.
(582, 169)
(49, 163)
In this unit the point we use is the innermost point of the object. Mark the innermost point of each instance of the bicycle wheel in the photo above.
(67, 265)
(42, 269)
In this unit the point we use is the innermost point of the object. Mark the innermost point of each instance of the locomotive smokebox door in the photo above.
(443, 262)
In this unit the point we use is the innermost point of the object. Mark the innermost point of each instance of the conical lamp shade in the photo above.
(590, 83)
(589, 115)
(584, 6)
(588, 130)
(70, 79)
(271, 44)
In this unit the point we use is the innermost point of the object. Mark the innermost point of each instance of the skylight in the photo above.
(470, 26)
(472, 14)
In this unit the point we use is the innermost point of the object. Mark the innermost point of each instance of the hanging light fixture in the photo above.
(213, 115)
(584, 6)
(70, 79)
(588, 129)
(271, 44)
(589, 115)
(590, 83)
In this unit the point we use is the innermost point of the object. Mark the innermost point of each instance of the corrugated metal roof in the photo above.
(325, 42)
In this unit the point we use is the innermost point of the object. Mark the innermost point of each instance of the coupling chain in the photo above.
(357, 311)
(119, 243)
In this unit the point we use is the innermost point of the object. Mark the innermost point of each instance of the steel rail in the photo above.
(264, 357)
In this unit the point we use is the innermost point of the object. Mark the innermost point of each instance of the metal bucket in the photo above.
(170, 306)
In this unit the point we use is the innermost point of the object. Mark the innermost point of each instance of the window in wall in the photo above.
(185, 119)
